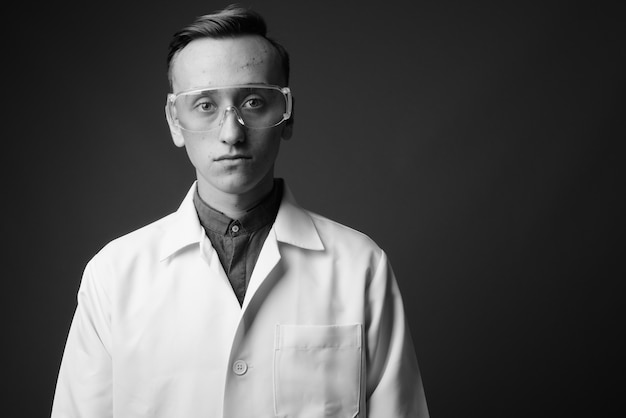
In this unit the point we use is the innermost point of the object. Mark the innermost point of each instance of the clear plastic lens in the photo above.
(255, 106)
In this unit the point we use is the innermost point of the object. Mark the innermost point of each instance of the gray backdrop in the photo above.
(479, 143)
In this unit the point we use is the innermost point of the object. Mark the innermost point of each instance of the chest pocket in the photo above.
(317, 371)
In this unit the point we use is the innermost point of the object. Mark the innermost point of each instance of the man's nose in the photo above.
(231, 128)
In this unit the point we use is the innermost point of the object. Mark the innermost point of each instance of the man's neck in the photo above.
(235, 205)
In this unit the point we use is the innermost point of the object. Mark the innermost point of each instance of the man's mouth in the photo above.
(232, 157)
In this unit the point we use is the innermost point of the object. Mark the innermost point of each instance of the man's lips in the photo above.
(232, 157)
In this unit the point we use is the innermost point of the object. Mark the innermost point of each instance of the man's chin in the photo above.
(241, 186)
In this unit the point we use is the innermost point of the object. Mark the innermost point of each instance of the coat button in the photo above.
(240, 367)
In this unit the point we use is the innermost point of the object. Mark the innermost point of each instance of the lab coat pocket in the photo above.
(317, 371)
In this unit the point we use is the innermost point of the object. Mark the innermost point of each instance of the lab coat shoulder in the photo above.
(142, 242)
(145, 248)
(332, 240)
(127, 252)
(334, 233)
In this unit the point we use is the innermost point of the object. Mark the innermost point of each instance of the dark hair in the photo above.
(232, 21)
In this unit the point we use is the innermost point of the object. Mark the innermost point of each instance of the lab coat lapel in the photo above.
(210, 256)
(268, 258)
(293, 226)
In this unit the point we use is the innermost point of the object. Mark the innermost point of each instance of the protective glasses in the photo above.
(255, 106)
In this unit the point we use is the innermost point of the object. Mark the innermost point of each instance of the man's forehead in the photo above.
(209, 61)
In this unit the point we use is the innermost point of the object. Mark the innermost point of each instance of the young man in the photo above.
(241, 303)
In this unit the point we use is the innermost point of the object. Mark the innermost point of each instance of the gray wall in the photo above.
(478, 143)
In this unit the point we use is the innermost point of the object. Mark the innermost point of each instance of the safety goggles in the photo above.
(255, 106)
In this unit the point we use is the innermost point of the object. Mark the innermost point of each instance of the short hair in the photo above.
(232, 21)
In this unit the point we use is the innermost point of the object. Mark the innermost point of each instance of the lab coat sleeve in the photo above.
(394, 384)
(85, 377)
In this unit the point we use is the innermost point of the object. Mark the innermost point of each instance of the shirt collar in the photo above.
(293, 225)
(254, 219)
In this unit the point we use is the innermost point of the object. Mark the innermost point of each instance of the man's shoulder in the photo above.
(145, 239)
(334, 233)
(150, 239)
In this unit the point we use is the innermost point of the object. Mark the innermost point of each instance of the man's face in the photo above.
(231, 159)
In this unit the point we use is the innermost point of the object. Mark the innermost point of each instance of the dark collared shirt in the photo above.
(238, 242)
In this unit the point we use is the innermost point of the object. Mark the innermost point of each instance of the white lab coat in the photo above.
(158, 331)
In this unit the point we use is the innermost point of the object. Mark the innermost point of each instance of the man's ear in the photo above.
(170, 115)
(288, 128)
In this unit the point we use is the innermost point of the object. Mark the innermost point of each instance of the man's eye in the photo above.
(253, 103)
(206, 107)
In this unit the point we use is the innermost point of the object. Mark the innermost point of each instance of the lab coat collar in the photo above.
(185, 228)
(293, 225)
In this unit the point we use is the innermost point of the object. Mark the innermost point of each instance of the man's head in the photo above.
(229, 105)
(230, 22)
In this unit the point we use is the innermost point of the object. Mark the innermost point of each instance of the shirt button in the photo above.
(240, 367)
(235, 228)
